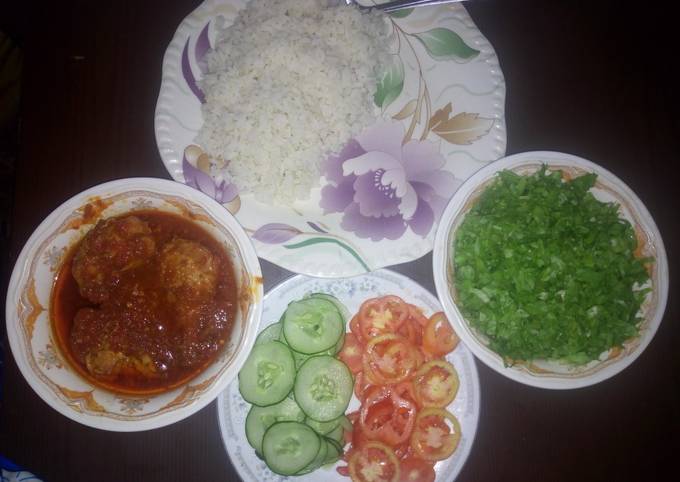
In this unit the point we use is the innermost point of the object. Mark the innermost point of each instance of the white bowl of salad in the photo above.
(551, 270)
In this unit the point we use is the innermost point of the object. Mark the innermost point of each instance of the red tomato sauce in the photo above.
(162, 321)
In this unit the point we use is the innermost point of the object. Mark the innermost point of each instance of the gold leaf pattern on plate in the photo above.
(203, 163)
(190, 393)
(463, 128)
(407, 110)
(234, 205)
(79, 401)
(441, 115)
(34, 308)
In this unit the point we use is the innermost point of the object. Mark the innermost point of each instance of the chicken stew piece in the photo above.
(144, 302)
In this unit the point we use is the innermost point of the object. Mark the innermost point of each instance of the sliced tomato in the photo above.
(414, 469)
(376, 421)
(359, 438)
(379, 316)
(421, 357)
(371, 378)
(353, 416)
(343, 470)
(406, 390)
(347, 436)
(436, 434)
(390, 359)
(439, 337)
(351, 353)
(403, 450)
(426, 355)
(412, 330)
(374, 462)
(361, 384)
(387, 417)
(436, 384)
(354, 327)
(348, 431)
(401, 428)
(416, 314)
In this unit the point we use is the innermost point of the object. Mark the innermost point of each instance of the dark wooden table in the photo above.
(590, 78)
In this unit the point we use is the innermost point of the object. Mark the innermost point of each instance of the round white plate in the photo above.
(608, 188)
(232, 409)
(28, 307)
(460, 128)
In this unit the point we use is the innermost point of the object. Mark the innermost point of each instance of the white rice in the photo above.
(288, 84)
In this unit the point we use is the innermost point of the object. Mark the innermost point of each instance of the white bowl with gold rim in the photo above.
(608, 188)
(28, 306)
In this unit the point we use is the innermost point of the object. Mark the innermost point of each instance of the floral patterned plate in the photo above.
(29, 310)
(232, 409)
(380, 198)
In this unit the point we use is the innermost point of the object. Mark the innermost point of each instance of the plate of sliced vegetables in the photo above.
(357, 379)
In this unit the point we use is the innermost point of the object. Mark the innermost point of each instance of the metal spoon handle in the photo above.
(399, 4)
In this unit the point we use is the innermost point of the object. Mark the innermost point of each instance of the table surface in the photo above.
(589, 78)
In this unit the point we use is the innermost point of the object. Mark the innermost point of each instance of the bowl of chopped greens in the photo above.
(551, 270)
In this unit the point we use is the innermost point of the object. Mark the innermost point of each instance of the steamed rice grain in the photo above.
(288, 84)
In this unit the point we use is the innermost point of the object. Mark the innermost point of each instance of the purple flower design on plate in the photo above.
(222, 193)
(383, 187)
(200, 49)
(276, 233)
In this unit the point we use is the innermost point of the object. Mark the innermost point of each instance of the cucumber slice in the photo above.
(282, 337)
(322, 428)
(312, 325)
(308, 335)
(344, 312)
(318, 460)
(333, 452)
(346, 424)
(259, 419)
(271, 333)
(268, 374)
(338, 346)
(323, 388)
(336, 434)
(300, 358)
(289, 447)
(342, 309)
(338, 445)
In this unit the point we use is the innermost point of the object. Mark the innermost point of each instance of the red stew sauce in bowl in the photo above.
(134, 304)
(144, 302)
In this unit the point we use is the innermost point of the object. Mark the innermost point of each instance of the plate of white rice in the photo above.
(336, 137)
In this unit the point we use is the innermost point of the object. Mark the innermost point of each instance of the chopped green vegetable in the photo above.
(545, 270)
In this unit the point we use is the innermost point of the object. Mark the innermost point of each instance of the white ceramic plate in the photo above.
(462, 97)
(232, 409)
(609, 188)
(28, 307)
